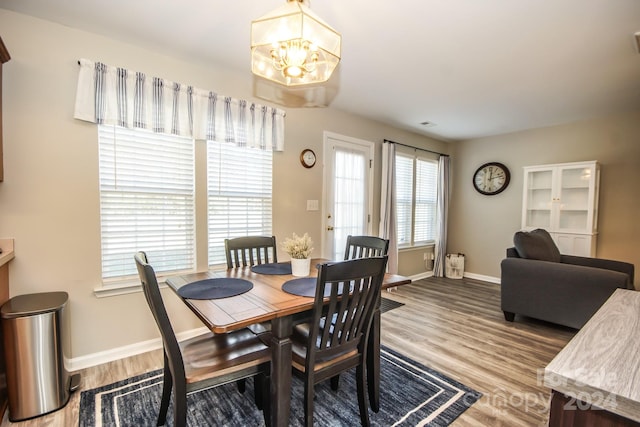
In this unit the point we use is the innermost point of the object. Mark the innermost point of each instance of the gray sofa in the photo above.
(537, 281)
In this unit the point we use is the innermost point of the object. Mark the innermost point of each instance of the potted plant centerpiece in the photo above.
(299, 249)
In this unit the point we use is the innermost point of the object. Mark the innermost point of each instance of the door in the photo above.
(538, 198)
(348, 178)
(575, 198)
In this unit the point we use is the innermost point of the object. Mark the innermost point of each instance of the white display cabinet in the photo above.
(563, 199)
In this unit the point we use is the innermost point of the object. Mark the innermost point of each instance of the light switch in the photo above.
(312, 205)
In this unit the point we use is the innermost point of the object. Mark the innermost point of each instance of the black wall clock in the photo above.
(491, 178)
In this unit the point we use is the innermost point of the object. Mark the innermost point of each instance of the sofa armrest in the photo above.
(560, 293)
(570, 277)
(512, 253)
(607, 264)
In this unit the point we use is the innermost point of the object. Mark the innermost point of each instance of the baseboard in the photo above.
(421, 275)
(484, 278)
(475, 276)
(110, 355)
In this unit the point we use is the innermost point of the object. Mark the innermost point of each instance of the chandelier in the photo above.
(293, 46)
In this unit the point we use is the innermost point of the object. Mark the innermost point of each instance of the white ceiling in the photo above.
(472, 67)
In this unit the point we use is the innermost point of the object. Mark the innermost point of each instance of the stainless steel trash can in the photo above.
(36, 346)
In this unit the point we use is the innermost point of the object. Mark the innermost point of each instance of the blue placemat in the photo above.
(274, 268)
(215, 288)
(305, 287)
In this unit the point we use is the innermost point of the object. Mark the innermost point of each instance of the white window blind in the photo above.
(416, 189)
(239, 194)
(147, 200)
(404, 198)
(425, 201)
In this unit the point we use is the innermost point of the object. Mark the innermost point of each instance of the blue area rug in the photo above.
(387, 304)
(410, 394)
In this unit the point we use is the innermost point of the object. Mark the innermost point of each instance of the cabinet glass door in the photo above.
(573, 207)
(539, 198)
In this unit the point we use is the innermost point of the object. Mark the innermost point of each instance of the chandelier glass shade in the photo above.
(293, 46)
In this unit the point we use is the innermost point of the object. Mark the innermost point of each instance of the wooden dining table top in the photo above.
(265, 301)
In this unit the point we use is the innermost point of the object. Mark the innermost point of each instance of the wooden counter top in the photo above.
(601, 364)
(7, 251)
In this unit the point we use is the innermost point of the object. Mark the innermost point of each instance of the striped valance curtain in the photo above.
(117, 96)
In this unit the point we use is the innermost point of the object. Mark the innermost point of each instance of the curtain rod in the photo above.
(416, 148)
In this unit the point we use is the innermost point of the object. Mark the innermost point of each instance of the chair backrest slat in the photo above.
(250, 250)
(365, 247)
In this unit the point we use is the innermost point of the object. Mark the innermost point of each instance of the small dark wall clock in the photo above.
(491, 178)
(308, 158)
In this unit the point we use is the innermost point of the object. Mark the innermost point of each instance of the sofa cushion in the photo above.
(536, 244)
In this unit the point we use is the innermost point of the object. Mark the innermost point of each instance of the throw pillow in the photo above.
(536, 244)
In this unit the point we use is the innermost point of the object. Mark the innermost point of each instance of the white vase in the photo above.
(300, 267)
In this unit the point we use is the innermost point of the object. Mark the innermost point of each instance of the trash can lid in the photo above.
(32, 304)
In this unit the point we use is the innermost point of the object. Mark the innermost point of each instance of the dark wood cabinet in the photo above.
(6, 255)
(4, 57)
(570, 412)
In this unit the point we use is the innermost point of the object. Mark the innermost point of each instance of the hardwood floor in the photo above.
(457, 328)
(453, 326)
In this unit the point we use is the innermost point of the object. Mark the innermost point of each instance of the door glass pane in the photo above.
(574, 198)
(539, 199)
(349, 197)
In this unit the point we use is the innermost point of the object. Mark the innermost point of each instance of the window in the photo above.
(416, 191)
(239, 194)
(147, 200)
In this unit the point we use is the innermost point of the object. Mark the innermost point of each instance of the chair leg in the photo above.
(308, 402)
(266, 401)
(362, 395)
(242, 385)
(258, 390)
(335, 382)
(180, 405)
(167, 385)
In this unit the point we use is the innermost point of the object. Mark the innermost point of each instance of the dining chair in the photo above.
(204, 361)
(362, 247)
(250, 250)
(365, 246)
(335, 339)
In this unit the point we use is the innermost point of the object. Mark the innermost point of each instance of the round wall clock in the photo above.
(491, 178)
(308, 158)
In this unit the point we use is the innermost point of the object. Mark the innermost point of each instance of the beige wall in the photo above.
(49, 200)
(483, 226)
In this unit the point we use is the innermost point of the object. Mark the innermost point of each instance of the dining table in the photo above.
(267, 302)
